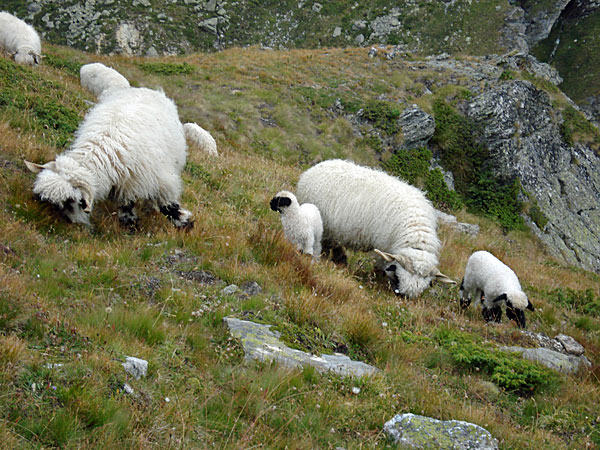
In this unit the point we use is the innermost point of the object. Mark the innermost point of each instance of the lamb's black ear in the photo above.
(391, 268)
(280, 202)
(500, 298)
(530, 306)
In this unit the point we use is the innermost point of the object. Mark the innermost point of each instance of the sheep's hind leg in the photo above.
(181, 218)
(127, 215)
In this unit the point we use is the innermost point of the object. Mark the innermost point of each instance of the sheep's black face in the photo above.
(518, 315)
(277, 203)
(75, 210)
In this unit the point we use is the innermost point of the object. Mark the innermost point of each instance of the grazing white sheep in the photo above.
(367, 209)
(19, 40)
(492, 282)
(202, 138)
(96, 78)
(302, 224)
(131, 146)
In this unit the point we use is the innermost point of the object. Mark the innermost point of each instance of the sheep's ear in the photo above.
(386, 256)
(500, 298)
(440, 277)
(37, 168)
(37, 58)
(530, 306)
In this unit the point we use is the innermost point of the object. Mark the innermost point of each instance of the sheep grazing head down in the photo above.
(57, 184)
(409, 278)
(27, 55)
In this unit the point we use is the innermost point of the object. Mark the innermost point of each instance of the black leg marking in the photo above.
(181, 218)
(338, 255)
(517, 315)
(127, 215)
(492, 314)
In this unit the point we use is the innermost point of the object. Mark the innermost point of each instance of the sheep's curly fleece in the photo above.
(97, 78)
(302, 225)
(367, 209)
(485, 274)
(19, 39)
(131, 145)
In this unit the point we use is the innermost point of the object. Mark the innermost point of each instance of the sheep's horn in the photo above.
(386, 256)
(87, 195)
(439, 276)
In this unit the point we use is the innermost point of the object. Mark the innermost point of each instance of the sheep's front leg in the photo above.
(181, 218)
(493, 314)
(127, 215)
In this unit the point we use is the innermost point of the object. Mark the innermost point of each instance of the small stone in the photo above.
(136, 367)
(317, 7)
(128, 389)
(337, 32)
(571, 346)
(356, 390)
(229, 290)
(151, 52)
(359, 39)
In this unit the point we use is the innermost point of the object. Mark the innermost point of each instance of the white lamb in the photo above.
(19, 40)
(492, 282)
(302, 224)
(202, 138)
(97, 78)
(131, 146)
(367, 209)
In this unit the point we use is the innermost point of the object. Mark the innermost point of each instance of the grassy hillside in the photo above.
(88, 299)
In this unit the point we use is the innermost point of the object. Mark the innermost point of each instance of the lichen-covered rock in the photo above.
(262, 344)
(136, 367)
(524, 140)
(571, 346)
(568, 364)
(424, 433)
(417, 126)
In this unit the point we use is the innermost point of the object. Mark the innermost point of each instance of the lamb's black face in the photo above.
(277, 203)
(75, 210)
(518, 315)
(390, 271)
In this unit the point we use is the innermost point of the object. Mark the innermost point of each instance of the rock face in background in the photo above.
(525, 142)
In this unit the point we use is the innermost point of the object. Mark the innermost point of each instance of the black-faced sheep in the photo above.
(302, 224)
(131, 146)
(19, 40)
(490, 280)
(367, 209)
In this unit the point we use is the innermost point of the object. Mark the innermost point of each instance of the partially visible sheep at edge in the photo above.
(492, 282)
(131, 146)
(367, 209)
(19, 40)
(97, 78)
(302, 224)
(201, 138)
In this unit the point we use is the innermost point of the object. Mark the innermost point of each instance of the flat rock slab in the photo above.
(420, 432)
(554, 360)
(262, 344)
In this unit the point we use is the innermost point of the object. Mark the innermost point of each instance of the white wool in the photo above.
(367, 209)
(200, 137)
(302, 225)
(96, 78)
(19, 39)
(131, 145)
(485, 274)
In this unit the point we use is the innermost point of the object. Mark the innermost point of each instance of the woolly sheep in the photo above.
(366, 209)
(96, 78)
(201, 138)
(131, 146)
(19, 40)
(493, 282)
(302, 224)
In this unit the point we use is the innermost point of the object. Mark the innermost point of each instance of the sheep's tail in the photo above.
(200, 137)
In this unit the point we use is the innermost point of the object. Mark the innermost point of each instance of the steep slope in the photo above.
(74, 304)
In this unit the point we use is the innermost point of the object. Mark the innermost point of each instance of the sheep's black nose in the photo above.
(274, 203)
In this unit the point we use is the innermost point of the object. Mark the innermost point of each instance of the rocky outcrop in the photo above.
(417, 127)
(412, 431)
(567, 364)
(262, 344)
(524, 140)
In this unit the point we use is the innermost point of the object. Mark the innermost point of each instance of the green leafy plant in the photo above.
(384, 115)
(161, 68)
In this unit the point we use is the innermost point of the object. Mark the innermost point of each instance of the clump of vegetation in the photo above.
(582, 301)
(536, 214)
(162, 68)
(384, 115)
(483, 192)
(576, 128)
(59, 62)
(412, 165)
(37, 104)
(508, 371)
